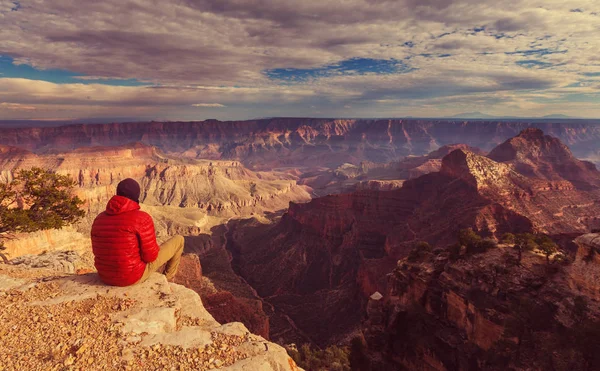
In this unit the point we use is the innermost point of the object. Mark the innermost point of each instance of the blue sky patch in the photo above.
(531, 63)
(9, 69)
(354, 66)
(544, 51)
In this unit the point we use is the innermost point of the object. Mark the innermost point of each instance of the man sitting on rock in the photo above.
(124, 241)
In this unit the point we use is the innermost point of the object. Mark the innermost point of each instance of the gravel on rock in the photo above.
(80, 335)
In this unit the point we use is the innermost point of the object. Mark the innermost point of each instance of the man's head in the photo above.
(129, 188)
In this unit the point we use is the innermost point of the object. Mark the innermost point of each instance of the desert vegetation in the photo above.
(37, 199)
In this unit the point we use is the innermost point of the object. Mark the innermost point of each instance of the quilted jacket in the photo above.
(123, 242)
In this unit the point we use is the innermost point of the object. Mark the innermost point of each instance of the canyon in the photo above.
(301, 142)
(335, 251)
(303, 227)
(185, 196)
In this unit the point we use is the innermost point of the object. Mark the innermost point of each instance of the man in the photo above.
(124, 241)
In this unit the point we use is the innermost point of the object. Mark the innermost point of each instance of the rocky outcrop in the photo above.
(534, 154)
(584, 273)
(483, 312)
(415, 166)
(279, 142)
(65, 261)
(335, 251)
(78, 322)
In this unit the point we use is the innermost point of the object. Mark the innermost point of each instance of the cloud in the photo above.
(15, 107)
(209, 105)
(263, 57)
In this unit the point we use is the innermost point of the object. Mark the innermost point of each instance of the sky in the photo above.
(243, 59)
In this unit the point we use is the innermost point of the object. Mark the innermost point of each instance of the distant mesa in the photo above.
(558, 116)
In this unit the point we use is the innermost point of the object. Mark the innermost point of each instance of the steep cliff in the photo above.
(299, 141)
(333, 252)
(485, 312)
(541, 156)
(185, 196)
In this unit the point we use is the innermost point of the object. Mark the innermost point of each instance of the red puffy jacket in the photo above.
(123, 241)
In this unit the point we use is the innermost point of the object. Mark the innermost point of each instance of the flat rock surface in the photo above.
(75, 322)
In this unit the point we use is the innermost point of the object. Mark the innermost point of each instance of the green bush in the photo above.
(508, 238)
(474, 243)
(333, 358)
(419, 250)
(37, 199)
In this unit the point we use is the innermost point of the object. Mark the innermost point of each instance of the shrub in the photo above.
(333, 358)
(546, 245)
(524, 242)
(508, 238)
(37, 199)
(467, 237)
(486, 244)
(419, 250)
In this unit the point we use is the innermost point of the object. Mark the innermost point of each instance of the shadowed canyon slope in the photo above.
(282, 142)
(324, 258)
(486, 312)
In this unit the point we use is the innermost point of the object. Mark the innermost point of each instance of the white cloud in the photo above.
(217, 51)
(209, 105)
(15, 107)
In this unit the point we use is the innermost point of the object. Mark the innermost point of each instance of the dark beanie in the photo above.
(129, 188)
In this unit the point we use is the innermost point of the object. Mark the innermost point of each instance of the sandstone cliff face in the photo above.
(298, 141)
(541, 156)
(584, 273)
(208, 191)
(67, 238)
(483, 312)
(336, 250)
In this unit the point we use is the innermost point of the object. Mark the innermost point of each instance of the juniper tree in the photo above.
(37, 199)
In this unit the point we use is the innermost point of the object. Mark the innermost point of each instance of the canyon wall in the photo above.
(334, 252)
(282, 142)
(185, 196)
(484, 312)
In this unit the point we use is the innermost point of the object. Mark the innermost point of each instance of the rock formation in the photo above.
(184, 196)
(297, 142)
(415, 166)
(333, 252)
(484, 312)
(584, 273)
(541, 156)
(76, 322)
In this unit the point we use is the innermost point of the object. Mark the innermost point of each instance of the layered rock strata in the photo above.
(300, 141)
